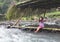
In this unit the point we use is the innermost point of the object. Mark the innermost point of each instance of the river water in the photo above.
(17, 35)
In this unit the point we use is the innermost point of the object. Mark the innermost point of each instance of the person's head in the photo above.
(41, 19)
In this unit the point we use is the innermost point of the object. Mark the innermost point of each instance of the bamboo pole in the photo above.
(17, 20)
(22, 27)
(44, 12)
(22, 14)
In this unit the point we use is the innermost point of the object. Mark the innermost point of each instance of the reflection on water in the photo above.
(16, 35)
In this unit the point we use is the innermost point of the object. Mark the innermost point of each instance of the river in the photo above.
(17, 35)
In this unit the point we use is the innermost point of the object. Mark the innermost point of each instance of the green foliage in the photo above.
(14, 13)
(10, 12)
(4, 4)
(53, 14)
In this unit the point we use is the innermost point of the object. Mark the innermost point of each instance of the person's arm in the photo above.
(45, 19)
(36, 20)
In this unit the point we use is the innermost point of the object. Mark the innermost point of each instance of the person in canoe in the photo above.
(41, 23)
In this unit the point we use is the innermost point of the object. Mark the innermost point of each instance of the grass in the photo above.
(53, 14)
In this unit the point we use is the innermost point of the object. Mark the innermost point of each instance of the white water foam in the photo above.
(16, 35)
